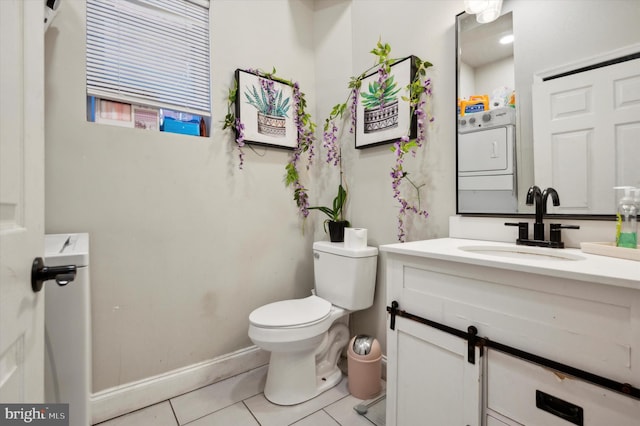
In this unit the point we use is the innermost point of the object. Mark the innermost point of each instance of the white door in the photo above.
(586, 132)
(21, 199)
(429, 380)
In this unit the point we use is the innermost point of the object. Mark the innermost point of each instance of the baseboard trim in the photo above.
(119, 400)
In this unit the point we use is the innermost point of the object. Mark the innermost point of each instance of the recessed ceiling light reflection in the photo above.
(507, 39)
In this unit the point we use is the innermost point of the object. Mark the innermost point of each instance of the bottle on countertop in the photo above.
(627, 220)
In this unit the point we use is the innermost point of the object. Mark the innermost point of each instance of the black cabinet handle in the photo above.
(560, 408)
(40, 273)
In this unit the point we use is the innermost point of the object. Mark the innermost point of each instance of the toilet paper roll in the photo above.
(355, 238)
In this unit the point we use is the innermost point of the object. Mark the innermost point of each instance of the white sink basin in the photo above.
(522, 252)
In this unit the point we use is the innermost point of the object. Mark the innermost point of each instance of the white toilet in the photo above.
(302, 335)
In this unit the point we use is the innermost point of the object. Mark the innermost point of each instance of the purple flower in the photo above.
(353, 109)
(382, 81)
(240, 141)
(268, 87)
(302, 199)
(306, 139)
(397, 172)
(330, 143)
(427, 86)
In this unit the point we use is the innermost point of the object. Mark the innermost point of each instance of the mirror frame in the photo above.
(606, 217)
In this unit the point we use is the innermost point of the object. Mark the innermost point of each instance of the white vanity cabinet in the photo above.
(582, 314)
(446, 390)
(523, 393)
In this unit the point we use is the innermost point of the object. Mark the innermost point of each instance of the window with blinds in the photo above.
(149, 55)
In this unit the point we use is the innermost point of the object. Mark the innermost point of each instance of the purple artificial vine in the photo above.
(239, 126)
(420, 94)
(403, 146)
(305, 131)
(417, 88)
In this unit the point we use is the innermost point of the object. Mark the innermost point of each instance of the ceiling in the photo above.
(479, 43)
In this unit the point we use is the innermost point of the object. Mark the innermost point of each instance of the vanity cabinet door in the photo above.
(429, 381)
(532, 395)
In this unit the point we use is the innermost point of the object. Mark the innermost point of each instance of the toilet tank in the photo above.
(346, 277)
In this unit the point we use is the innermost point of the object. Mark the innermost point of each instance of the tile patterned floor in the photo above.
(239, 401)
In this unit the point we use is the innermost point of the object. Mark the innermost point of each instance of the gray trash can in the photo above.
(364, 367)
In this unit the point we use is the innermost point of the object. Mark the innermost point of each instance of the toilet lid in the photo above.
(288, 313)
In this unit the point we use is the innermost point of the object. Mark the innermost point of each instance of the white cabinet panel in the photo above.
(511, 391)
(429, 380)
(580, 324)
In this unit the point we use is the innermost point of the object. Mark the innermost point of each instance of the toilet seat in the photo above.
(291, 313)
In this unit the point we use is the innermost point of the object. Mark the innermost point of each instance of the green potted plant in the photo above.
(335, 221)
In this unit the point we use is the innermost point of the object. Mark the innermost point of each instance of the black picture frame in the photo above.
(266, 109)
(375, 126)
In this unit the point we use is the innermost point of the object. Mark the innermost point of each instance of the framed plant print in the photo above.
(266, 109)
(384, 117)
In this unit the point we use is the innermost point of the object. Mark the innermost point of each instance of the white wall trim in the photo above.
(123, 399)
(592, 60)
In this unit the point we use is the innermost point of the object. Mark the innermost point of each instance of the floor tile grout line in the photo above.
(212, 384)
(173, 410)
(329, 414)
(249, 410)
(309, 415)
(223, 408)
(215, 383)
(133, 411)
(324, 409)
(182, 394)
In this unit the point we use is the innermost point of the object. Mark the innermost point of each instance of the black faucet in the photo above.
(539, 198)
(534, 196)
(556, 202)
(554, 197)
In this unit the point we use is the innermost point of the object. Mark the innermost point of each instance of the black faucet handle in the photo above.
(523, 229)
(554, 232)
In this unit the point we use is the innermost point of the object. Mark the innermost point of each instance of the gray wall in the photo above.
(183, 244)
(425, 29)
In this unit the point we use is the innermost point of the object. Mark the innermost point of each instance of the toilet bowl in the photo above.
(305, 344)
(305, 336)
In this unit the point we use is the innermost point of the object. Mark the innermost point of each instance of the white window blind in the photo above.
(150, 52)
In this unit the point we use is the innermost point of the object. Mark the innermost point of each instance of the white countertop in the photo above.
(589, 267)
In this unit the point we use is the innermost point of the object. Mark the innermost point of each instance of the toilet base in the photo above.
(296, 377)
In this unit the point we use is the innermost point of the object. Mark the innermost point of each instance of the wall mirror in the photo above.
(495, 90)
